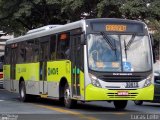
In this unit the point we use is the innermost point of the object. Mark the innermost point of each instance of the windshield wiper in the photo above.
(126, 46)
(108, 41)
(130, 42)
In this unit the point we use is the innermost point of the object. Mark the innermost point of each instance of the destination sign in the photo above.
(118, 27)
(113, 27)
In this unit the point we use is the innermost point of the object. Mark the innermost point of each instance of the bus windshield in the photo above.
(118, 53)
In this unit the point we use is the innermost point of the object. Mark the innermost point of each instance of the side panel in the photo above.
(82, 89)
(30, 73)
(53, 89)
(6, 73)
(57, 70)
(32, 87)
(16, 86)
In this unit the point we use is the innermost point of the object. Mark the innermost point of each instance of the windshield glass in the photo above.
(127, 53)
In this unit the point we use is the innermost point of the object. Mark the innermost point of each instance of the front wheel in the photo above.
(120, 104)
(138, 102)
(68, 102)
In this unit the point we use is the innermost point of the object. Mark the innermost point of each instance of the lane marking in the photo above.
(119, 113)
(1, 100)
(67, 112)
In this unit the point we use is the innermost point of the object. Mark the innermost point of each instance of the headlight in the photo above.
(94, 81)
(148, 81)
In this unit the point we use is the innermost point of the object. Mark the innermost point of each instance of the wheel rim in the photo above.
(67, 96)
(22, 92)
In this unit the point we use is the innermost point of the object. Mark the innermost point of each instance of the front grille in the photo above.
(121, 78)
(115, 95)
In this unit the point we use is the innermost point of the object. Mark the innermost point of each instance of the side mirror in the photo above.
(154, 55)
(153, 49)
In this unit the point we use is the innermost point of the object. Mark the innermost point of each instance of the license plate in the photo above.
(131, 84)
(122, 93)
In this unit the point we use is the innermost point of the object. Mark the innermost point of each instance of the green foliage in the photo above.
(155, 25)
(109, 8)
(21, 15)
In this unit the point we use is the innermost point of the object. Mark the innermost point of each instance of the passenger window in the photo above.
(63, 51)
(53, 47)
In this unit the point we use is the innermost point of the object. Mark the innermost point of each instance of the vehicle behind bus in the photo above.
(156, 98)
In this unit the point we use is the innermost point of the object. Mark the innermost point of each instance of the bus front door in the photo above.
(44, 47)
(76, 58)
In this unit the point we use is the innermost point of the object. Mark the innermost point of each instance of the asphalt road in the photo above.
(44, 109)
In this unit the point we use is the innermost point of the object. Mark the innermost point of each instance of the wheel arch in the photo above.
(62, 83)
(20, 80)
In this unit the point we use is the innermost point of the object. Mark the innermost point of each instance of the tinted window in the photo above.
(63, 47)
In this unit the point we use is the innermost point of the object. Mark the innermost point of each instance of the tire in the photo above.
(120, 104)
(22, 92)
(68, 102)
(138, 102)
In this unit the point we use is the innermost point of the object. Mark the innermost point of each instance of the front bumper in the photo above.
(94, 93)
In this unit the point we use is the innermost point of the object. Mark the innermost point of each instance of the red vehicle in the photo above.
(1, 75)
(1, 70)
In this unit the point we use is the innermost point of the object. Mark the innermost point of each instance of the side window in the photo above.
(36, 51)
(7, 54)
(53, 47)
(14, 50)
(22, 52)
(29, 51)
(44, 48)
(63, 50)
(79, 51)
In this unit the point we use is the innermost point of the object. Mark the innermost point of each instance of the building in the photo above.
(3, 38)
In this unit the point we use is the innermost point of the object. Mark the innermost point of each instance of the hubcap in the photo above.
(67, 96)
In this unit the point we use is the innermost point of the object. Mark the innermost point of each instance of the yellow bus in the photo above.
(88, 60)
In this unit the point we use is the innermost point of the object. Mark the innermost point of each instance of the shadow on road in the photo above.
(88, 107)
(152, 105)
(1, 86)
(85, 107)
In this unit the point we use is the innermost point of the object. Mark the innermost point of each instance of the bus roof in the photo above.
(69, 26)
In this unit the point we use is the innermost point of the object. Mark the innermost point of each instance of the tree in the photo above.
(22, 15)
(28, 14)
(109, 8)
(147, 11)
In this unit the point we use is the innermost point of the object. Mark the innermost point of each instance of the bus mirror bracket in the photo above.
(83, 39)
(152, 40)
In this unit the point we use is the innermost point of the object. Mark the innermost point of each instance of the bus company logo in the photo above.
(20, 70)
(52, 71)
